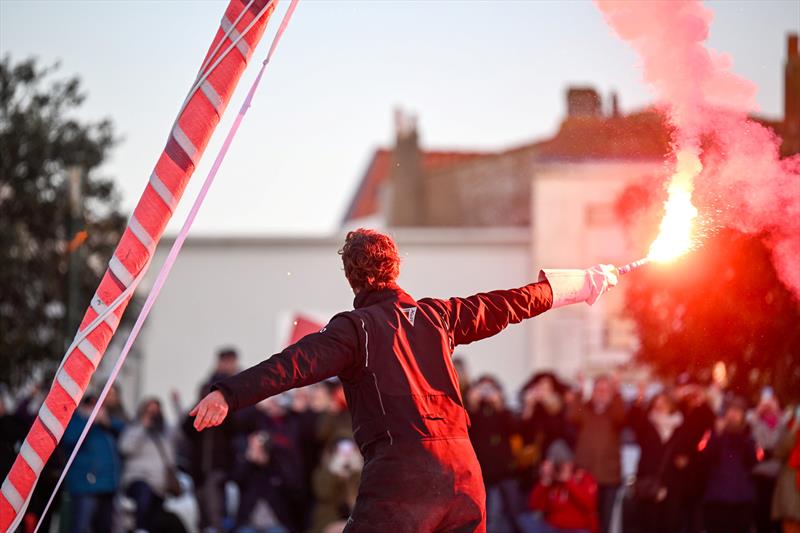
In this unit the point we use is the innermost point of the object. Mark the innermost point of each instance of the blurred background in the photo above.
(490, 139)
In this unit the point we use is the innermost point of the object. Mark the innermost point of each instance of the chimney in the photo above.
(404, 125)
(583, 102)
(405, 198)
(791, 97)
(614, 104)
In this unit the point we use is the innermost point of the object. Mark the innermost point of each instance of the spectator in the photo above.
(17, 424)
(490, 432)
(335, 484)
(149, 466)
(698, 423)
(731, 456)
(786, 503)
(566, 496)
(28, 405)
(661, 473)
(211, 453)
(335, 421)
(268, 493)
(543, 422)
(768, 427)
(462, 373)
(599, 423)
(113, 404)
(304, 413)
(271, 417)
(227, 365)
(95, 474)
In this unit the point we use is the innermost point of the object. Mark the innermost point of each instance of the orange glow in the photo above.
(675, 234)
(77, 241)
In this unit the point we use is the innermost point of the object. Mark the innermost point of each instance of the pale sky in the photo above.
(480, 75)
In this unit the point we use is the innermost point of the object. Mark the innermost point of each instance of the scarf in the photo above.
(665, 424)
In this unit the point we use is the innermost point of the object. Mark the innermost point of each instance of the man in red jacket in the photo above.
(393, 354)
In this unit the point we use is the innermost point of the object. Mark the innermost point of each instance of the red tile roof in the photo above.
(641, 135)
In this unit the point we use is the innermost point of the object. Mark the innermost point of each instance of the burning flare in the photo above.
(676, 235)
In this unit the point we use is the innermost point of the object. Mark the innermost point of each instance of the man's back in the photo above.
(393, 355)
(403, 385)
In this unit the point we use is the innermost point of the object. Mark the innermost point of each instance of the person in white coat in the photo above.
(149, 457)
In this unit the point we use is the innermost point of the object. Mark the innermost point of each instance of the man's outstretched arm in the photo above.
(483, 315)
(313, 358)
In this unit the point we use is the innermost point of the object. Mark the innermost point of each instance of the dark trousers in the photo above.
(606, 498)
(91, 513)
(210, 495)
(765, 488)
(660, 517)
(728, 517)
(420, 487)
(148, 504)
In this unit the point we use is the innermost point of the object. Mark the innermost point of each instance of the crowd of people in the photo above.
(705, 461)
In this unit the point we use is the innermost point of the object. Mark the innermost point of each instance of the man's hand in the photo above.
(601, 279)
(210, 412)
(571, 286)
(546, 473)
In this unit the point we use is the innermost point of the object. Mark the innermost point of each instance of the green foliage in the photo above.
(40, 139)
(722, 302)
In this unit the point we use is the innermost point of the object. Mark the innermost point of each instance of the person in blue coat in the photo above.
(95, 474)
(730, 491)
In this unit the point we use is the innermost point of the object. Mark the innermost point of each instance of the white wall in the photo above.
(574, 225)
(240, 291)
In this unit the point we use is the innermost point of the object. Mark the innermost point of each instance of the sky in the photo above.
(478, 75)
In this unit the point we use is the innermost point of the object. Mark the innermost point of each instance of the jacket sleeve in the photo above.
(313, 358)
(617, 411)
(537, 501)
(583, 492)
(485, 314)
(575, 412)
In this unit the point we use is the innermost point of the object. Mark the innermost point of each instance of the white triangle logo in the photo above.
(410, 313)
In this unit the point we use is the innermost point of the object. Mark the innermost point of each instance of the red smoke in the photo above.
(744, 184)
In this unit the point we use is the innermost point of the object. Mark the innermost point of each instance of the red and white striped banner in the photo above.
(240, 31)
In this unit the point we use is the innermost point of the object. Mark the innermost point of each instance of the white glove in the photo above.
(574, 285)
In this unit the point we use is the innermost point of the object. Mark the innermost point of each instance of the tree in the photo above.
(41, 142)
(721, 302)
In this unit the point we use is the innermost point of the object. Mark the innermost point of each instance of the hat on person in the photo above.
(559, 452)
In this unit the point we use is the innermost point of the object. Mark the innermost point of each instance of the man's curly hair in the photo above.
(370, 259)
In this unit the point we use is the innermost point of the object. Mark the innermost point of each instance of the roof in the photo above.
(637, 136)
(643, 135)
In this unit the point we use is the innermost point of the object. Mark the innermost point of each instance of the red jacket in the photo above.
(570, 505)
(393, 356)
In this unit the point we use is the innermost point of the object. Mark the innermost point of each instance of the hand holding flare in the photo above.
(676, 231)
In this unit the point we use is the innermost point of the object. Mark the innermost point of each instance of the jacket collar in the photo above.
(367, 297)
